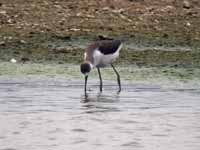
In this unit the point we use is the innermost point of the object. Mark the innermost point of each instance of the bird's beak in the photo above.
(86, 77)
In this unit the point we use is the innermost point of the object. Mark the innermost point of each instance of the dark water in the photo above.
(50, 114)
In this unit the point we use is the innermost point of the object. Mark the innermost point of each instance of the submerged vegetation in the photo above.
(175, 77)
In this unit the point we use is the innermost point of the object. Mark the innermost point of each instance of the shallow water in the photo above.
(40, 114)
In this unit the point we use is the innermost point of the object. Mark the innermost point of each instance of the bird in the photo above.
(100, 54)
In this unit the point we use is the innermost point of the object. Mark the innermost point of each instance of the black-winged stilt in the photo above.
(101, 54)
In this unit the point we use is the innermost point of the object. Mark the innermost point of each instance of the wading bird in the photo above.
(98, 55)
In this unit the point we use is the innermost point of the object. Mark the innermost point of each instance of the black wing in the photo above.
(108, 46)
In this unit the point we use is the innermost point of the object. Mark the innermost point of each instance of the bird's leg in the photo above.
(100, 79)
(118, 78)
(86, 77)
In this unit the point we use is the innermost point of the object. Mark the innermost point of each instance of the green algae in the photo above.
(165, 75)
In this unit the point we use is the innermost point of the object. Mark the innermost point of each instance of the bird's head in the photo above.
(85, 68)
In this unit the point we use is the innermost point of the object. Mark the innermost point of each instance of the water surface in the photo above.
(51, 114)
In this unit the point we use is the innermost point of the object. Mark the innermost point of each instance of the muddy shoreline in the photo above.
(158, 33)
(42, 47)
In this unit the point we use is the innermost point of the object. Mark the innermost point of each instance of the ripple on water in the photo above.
(8, 149)
(132, 144)
(79, 130)
(58, 116)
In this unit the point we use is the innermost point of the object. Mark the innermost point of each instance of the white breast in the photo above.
(101, 60)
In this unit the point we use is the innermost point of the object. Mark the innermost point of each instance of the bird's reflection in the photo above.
(100, 102)
(100, 97)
